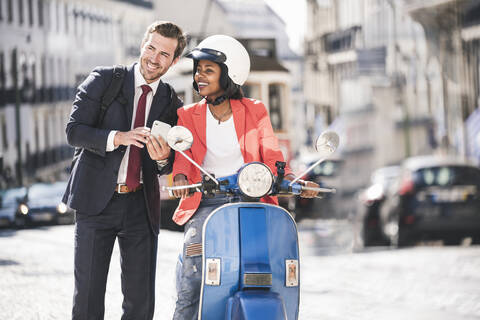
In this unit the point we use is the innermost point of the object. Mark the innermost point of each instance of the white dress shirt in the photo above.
(139, 81)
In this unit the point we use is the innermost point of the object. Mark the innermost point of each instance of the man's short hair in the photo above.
(168, 30)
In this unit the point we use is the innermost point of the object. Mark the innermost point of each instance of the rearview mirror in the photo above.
(327, 143)
(179, 138)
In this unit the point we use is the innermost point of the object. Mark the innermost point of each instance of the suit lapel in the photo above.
(238, 112)
(200, 121)
(129, 93)
(160, 103)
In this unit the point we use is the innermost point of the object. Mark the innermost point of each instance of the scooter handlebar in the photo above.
(296, 188)
(190, 187)
(285, 188)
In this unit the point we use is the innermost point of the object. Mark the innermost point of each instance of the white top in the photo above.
(223, 155)
(139, 81)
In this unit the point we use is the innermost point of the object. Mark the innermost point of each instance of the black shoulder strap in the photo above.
(112, 91)
(171, 92)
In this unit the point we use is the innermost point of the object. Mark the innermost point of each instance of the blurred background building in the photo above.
(47, 48)
(395, 78)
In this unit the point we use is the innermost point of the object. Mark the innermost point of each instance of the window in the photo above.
(3, 124)
(20, 12)
(275, 104)
(10, 11)
(2, 79)
(252, 90)
(66, 18)
(47, 16)
(57, 16)
(43, 79)
(37, 134)
(30, 12)
(46, 132)
(40, 13)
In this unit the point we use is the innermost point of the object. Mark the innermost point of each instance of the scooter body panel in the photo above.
(226, 270)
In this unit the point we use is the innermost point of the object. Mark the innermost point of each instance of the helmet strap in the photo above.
(217, 101)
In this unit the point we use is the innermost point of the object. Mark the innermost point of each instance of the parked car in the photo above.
(10, 201)
(324, 207)
(434, 198)
(39, 203)
(370, 200)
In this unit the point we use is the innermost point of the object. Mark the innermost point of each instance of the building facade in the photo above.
(47, 48)
(365, 77)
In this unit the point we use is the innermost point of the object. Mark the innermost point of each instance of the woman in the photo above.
(228, 131)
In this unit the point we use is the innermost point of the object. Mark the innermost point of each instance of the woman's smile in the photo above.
(202, 85)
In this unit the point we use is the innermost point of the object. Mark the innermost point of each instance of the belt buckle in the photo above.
(119, 188)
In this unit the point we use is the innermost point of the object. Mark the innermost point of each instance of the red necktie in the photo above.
(135, 157)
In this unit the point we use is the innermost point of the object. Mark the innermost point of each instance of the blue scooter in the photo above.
(250, 260)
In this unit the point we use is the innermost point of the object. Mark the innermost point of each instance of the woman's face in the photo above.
(207, 78)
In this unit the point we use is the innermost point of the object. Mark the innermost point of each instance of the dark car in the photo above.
(10, 201)
(436, 198)
(42, 204)
(367, 219)
(323, 174)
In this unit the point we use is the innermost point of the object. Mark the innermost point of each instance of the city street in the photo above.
(426, 282)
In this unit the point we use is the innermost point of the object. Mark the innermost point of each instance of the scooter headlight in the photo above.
(255, 180)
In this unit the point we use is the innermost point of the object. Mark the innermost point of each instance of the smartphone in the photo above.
(160, 128)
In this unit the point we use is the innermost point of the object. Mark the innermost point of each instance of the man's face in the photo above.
(156, 56)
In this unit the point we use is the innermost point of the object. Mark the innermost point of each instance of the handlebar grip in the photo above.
(319, 190)
(191, 188)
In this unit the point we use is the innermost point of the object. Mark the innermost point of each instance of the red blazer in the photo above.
(255, 136)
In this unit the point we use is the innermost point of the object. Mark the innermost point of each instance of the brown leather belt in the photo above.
(122, 188)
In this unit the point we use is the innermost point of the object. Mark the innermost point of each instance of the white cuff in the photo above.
(162, 163)
(110, 145)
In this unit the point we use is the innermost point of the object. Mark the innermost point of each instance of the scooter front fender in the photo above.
(254, 305)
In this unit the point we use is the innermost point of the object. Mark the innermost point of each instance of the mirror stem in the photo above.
(305, 172)
(196, 165)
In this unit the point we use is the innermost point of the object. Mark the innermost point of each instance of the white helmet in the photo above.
(227, 50)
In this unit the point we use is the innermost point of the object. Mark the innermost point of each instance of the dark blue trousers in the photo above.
(124, 218)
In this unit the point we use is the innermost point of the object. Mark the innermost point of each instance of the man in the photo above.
(114, 184)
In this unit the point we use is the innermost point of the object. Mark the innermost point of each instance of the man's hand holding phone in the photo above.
(157, 146)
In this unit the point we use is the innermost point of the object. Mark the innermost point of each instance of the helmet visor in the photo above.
(207, 54)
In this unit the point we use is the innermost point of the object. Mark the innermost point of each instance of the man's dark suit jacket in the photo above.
(94, 176)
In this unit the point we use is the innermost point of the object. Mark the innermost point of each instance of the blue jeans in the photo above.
(189, 265)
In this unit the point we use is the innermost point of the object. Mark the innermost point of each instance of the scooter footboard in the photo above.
(254, 305)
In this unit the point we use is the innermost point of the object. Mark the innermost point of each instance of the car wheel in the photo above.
(401, 238)
(20, 222)
(366, 235)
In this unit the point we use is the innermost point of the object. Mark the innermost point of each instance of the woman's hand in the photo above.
(309, 193)
(180, 180)
(305, 193)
